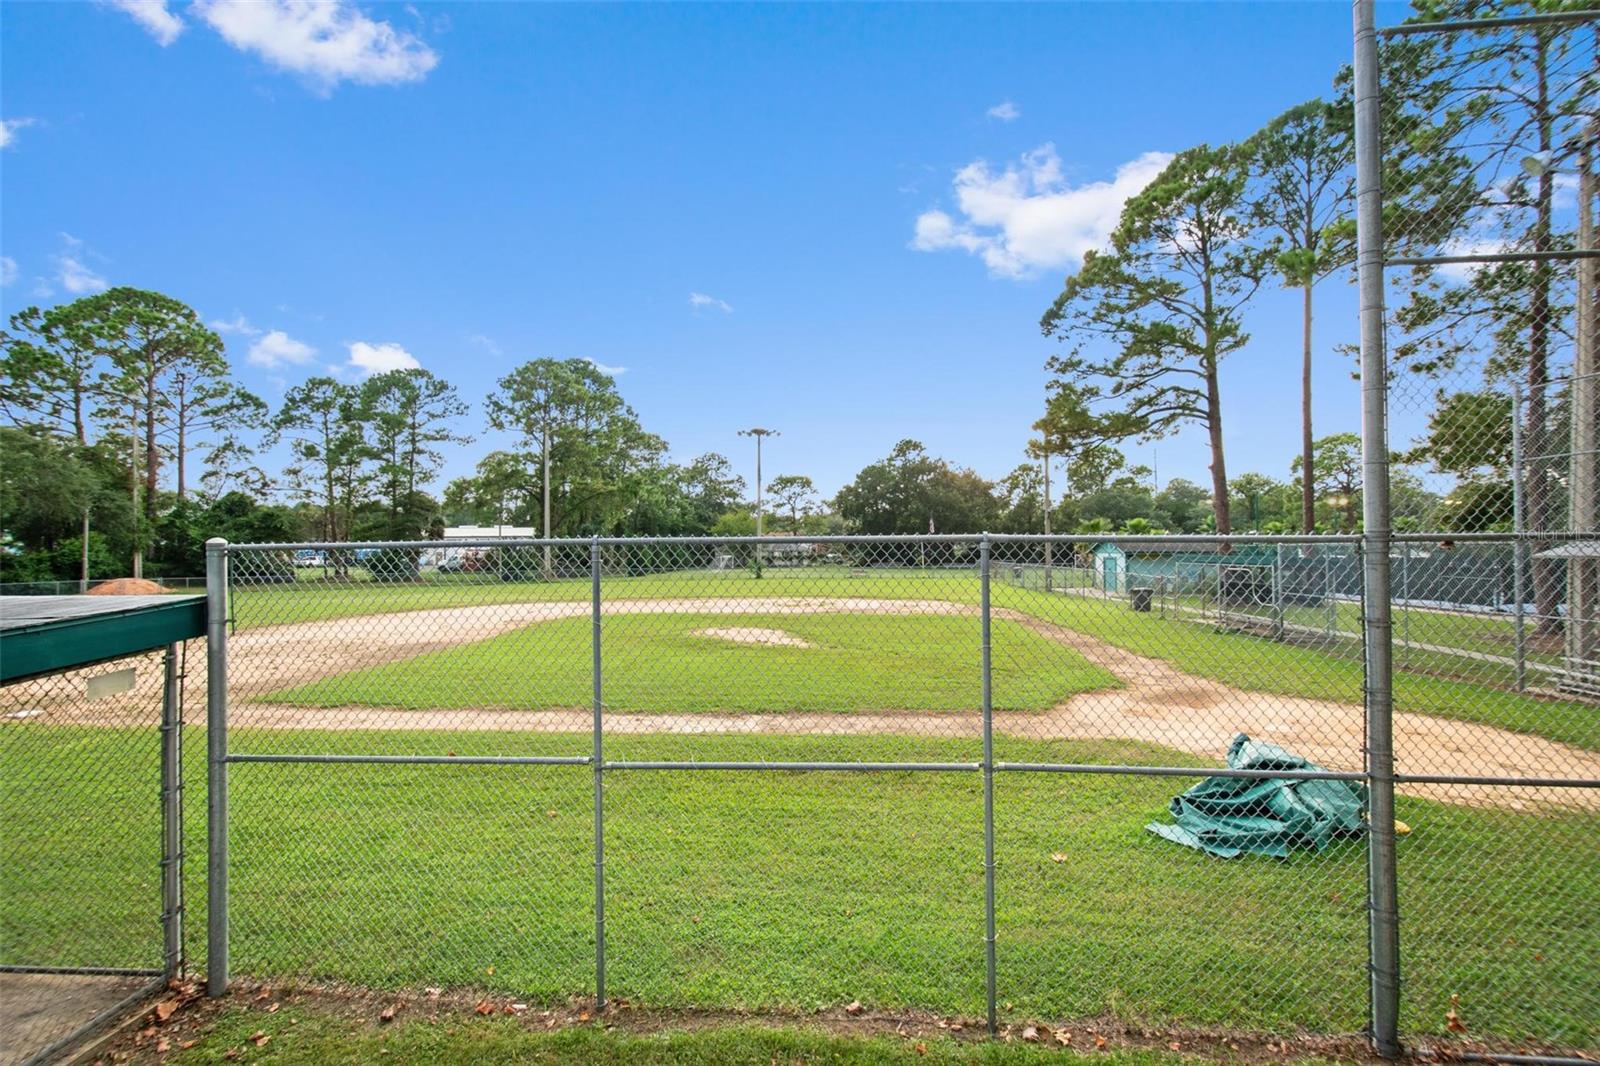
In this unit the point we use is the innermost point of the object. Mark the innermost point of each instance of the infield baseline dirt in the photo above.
(1157, 703)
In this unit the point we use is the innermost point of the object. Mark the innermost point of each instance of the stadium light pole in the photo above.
(758, 433)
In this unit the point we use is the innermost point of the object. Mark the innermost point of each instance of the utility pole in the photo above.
(1583, 574)
(1582, 628)
(544, 530)
(1047, 542)
(758, 433)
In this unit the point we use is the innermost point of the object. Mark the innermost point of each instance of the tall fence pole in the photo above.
(1518, 590)
(597, 759)
(172, 814)
(1378, 636)
(988, 789)
(216, 766)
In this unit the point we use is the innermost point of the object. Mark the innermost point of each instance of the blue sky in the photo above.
(468, 186)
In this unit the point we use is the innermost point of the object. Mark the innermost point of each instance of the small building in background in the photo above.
(1119, 567)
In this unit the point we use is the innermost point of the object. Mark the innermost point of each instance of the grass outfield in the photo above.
(795, 890)
(1237, 659)
(661, 663)
(299, 1034)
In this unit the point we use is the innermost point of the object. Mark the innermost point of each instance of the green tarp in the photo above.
(1228, 816)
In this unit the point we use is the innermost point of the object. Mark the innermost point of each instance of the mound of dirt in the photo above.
(127, 586)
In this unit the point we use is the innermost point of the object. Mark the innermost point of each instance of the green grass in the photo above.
(790, 891)
(304, 1034)
(1237, 659)
(1253, 663)
(661, 663)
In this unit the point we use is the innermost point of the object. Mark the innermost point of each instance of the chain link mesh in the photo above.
(81, 848)
(793, 796)
(1489, 153)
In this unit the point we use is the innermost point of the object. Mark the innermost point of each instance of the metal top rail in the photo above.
(1198, 541)
(1457, 25)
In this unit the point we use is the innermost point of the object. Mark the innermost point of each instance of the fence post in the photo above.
(216, 766)
(1405, 604)
(172, 815)
(1377, 631)
(1330, 606)
(1277, 593)
(988, 788)
(1518, 590)
(597, 760)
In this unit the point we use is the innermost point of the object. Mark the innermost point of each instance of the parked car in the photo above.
(307, 557)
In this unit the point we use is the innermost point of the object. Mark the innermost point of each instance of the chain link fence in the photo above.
(789, 775)
(91, 901)
(1488, 140)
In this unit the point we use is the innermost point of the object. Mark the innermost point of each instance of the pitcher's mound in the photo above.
(753, 635)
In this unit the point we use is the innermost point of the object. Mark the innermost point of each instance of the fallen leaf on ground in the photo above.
(1100, 1042)
(163, 1046)
(434, 993)
(1063, 1037)
(259, 1038)
(165, 1008)
(1452, 1020)
(387, 1015)
(272, 1008)
(853, 1007)
(920, 1048)
(1031, 1035)
(1058, 856)
(484, 1007)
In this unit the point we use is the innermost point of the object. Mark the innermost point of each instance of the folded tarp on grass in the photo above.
(1229, 816)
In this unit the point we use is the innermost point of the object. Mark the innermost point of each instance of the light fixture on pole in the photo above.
(758, 433)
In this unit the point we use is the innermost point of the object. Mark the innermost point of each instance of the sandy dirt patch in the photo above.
(1157, 703)
(753, 635)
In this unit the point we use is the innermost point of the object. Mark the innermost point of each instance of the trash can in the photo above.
(1140, 599)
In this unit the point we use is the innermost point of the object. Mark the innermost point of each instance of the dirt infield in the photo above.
(1158, 703)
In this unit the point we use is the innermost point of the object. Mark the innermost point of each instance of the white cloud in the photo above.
(701, 302)
(486, 344)
(1027, 217)
(609, 371)
(8, 270)
(76, 277)
(9, 128)
(325, 42)
(1005, 111)
(237, 324)
(275, 349)
(153, 15)
(377, 358)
